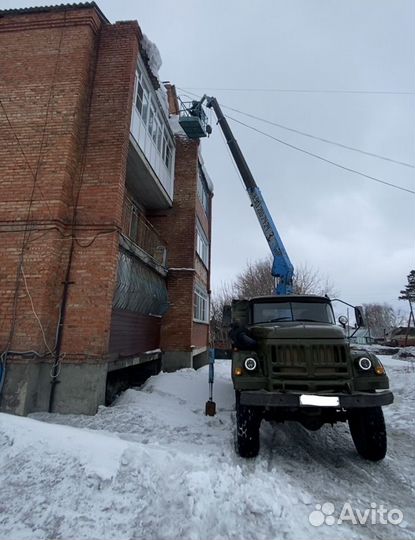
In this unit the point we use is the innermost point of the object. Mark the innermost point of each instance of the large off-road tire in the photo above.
(367, 427)
(248, 421)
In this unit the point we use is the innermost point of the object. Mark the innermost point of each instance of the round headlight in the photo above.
(365, 363)
(250, 364)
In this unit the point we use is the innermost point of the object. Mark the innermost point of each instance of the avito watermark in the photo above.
(377, 514)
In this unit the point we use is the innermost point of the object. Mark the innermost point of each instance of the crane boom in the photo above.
(282, 268)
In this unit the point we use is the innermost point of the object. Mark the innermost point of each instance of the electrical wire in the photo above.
(307, 91)
(33, 174)
(311, 136)
(27, 232)
(349, 169)
(34, 312)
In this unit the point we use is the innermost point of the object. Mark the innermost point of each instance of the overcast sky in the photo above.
(359, 233)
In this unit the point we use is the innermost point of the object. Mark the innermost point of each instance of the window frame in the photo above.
(201, 304)
(202, 244)
(203, 192)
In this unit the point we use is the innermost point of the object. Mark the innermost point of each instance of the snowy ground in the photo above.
(152, 466)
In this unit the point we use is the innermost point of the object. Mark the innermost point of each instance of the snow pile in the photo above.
(405, 352)
(164, 102)
(153, 55)
(153, 466)
(176, 127)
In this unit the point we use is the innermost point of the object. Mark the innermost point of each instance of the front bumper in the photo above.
(262, 398)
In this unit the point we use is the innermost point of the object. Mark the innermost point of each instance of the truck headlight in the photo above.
(365, 363)
(250, 364)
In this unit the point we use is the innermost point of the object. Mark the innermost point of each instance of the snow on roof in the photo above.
(162, 95)
(153, 54)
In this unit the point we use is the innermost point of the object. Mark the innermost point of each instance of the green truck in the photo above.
(291, 362)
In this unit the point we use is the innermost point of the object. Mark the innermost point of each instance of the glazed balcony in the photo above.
(150, 165)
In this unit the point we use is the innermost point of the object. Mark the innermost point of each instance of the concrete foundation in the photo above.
(174, 360)
(80, 390)
(201, 359)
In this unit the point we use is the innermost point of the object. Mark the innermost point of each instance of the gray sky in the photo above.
(359, 233)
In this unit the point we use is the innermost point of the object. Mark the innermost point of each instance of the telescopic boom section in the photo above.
(282, 269)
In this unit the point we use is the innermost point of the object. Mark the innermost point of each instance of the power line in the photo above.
(307, 91)
(316, 137)
(328, 141)
(349, 169)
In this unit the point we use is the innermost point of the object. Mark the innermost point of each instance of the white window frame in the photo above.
(150, 129)
(202, 192)
(201, 306)
(202, 244)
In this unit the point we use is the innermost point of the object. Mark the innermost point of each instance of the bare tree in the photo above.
(381, 318)
(257, 280)
(221, 297)
(308, 280)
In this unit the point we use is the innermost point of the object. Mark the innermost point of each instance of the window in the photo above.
(202, 192)
(293, 311)
(201, 304)
(150, 129)
(202, 245)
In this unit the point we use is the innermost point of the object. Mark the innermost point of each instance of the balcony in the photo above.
(150, 164)
(143, 235)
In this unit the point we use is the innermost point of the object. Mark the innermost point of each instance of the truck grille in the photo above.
(309, 361)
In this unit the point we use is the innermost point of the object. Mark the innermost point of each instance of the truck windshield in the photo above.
(293, 311)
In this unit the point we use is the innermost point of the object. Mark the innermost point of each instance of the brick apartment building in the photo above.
(105, 214)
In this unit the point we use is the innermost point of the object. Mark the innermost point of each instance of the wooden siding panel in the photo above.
(132, 333)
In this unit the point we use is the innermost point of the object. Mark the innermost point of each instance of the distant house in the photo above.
(364, 336)
(401, 337)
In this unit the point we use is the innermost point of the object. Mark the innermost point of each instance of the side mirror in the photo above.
(343, 320)
(358, 314)
(227, 315)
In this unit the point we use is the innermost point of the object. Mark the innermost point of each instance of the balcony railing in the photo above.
(140, 231)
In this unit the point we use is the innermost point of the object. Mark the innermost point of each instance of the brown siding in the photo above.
(200, 337)
(133, 333)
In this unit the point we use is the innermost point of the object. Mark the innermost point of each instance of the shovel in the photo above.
(210, 409)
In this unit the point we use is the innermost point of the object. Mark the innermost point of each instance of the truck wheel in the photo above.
(248, 420)
(367, 427)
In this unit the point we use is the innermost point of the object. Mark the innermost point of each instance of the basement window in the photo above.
(201, 304)
(202, 244)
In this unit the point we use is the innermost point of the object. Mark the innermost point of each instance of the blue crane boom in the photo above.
(282, 268)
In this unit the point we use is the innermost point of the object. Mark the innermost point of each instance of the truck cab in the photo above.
(291, 361)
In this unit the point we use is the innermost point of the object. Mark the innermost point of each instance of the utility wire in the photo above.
(307, 91)
(349, 169)
(316, 137)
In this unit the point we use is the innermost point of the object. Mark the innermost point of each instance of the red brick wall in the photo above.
(176, 329)
(177, 227)
(49, 63)
(102, 192)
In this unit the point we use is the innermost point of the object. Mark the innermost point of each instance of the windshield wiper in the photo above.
(307, 320)
(280, 319)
